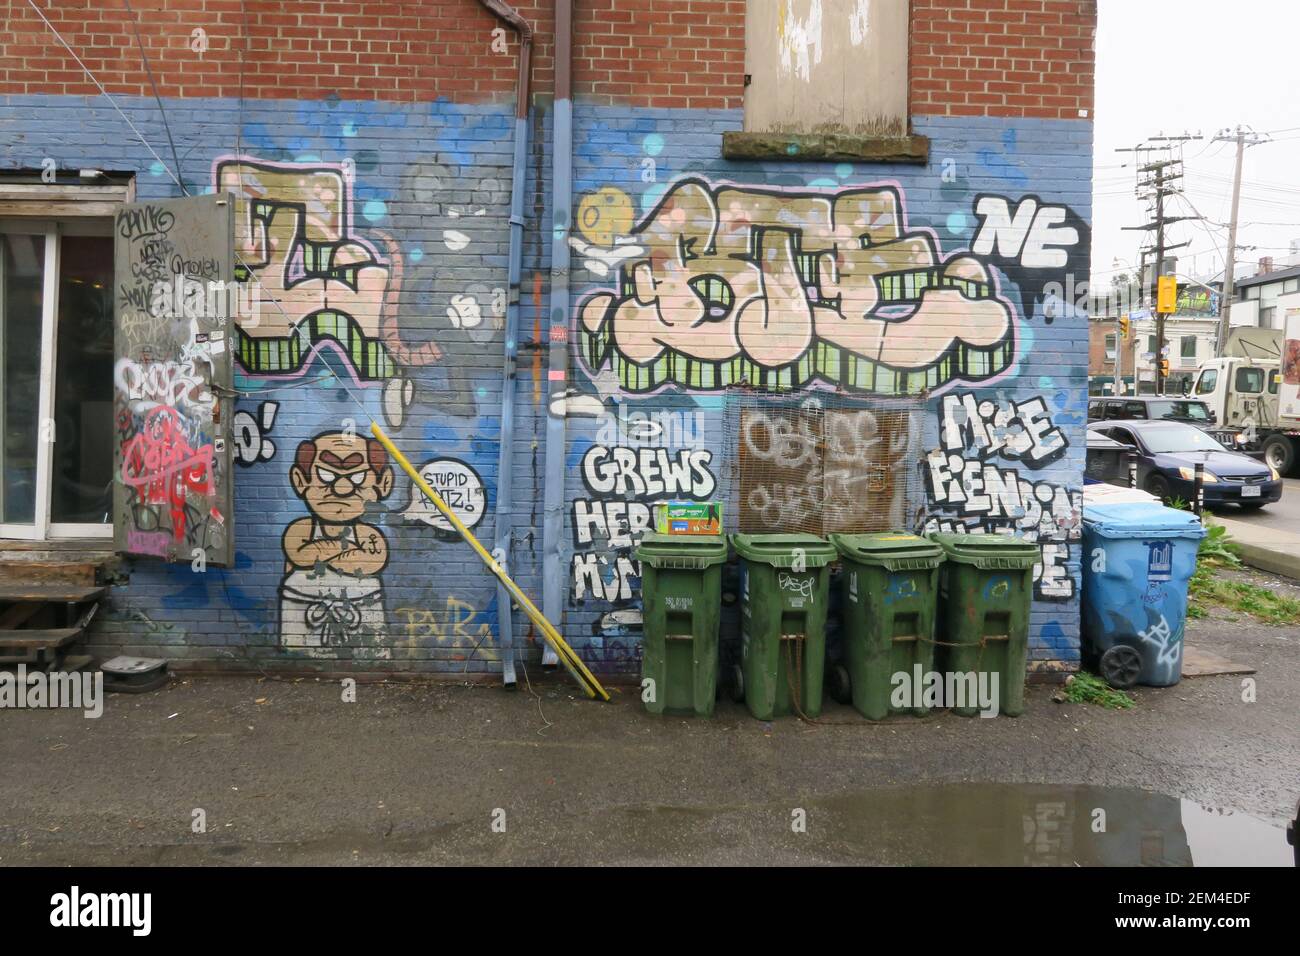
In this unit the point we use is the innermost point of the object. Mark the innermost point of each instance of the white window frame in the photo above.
(30, 208)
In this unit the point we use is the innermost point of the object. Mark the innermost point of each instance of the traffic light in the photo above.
(1125, 326)
(1163, 365)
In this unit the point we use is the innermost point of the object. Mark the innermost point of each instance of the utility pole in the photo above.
(1229, 274)
(1156, 273)
(1161, 176)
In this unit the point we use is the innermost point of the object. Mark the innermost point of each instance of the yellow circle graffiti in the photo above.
(604, 214)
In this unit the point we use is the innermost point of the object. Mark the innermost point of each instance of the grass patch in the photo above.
(1207, 589)
(1088, 688)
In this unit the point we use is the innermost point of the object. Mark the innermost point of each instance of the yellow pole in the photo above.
(572, 662)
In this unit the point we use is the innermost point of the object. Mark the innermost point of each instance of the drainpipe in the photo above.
(554, 569)
(505, 461)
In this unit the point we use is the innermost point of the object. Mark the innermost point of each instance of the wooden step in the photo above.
(54, 593)
(52, 639)
(48, 572)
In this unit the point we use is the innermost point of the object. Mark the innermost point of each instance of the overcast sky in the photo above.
(1197, 66)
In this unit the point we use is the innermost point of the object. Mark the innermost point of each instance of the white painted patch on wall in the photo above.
(801, 40)
(859, 22)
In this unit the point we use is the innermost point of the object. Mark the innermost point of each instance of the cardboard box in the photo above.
(688, 517)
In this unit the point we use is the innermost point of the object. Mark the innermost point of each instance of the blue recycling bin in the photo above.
(1138, 560)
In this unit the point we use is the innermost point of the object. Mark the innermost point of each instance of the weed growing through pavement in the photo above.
(1087, 688)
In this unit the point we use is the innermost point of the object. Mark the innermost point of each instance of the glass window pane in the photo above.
(22, 268)
(1250, 379)
(83, 387)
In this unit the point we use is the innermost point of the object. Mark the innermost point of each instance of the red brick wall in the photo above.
(968, 57)
(1003, 57)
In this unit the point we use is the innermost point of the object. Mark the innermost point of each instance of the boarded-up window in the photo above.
(174, 263)
(823, 66)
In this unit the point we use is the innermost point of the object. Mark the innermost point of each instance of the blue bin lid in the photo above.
(1141, 519)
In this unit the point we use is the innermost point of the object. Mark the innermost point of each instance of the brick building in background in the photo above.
(808, 258)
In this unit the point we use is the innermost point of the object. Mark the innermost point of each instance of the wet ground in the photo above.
(289, 773)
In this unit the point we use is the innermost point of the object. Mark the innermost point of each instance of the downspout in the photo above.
(554, 569)
(505, 460)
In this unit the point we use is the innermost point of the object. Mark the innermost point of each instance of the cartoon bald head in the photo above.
(337, 474)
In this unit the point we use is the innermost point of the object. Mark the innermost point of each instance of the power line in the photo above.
(94, 79)
(162, 111)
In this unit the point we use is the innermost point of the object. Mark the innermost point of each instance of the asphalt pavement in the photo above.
(254, 771)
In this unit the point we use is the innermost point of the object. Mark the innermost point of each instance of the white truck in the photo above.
(1255, 408)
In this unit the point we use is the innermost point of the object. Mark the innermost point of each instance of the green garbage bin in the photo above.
(681, 592)
(985, 590)
(784, 592)
(889, 587)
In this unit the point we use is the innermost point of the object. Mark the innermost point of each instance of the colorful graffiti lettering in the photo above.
(720, 285)
(319, 283)
(159, 463)
(250, 434)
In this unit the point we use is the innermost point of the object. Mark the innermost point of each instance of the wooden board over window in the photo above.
(827, 66)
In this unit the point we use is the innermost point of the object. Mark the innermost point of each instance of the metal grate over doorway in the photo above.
(823, 463)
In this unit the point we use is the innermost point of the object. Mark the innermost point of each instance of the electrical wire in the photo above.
(112, 102)
(162, 111)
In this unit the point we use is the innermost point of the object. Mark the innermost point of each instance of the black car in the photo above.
(1168, 453)
(1150, 408)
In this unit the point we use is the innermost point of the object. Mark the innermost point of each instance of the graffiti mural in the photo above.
(780, 289)
(332, 592)
(1035, 245)
(318, 283)
(250, 433)
(459, 629)
(622, 483)
(970, 491)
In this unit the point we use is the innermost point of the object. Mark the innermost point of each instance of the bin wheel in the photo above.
(838, 684)
(1120, 666)
(737, 684)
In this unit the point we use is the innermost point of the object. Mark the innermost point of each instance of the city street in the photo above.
(1283, 515)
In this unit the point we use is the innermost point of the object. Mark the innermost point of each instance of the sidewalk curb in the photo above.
(1277, 552)
(1284, 563)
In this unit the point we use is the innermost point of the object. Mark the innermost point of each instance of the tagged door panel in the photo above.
(173, 491)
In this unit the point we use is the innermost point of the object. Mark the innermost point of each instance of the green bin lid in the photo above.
(681, 550)
(997, 551)
(889, 548)
(778, 549)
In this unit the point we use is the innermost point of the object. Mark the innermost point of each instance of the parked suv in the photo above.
(1193, 411)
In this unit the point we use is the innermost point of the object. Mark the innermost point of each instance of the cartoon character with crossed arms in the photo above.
(332, 595)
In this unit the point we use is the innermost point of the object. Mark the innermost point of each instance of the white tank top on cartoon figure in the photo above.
(323, 607)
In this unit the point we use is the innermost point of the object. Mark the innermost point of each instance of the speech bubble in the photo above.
(458, 485)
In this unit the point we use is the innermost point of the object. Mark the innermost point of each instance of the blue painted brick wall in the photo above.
(431, 195)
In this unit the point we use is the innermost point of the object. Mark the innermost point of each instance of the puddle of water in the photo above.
(1227, 838)
(977, 824)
